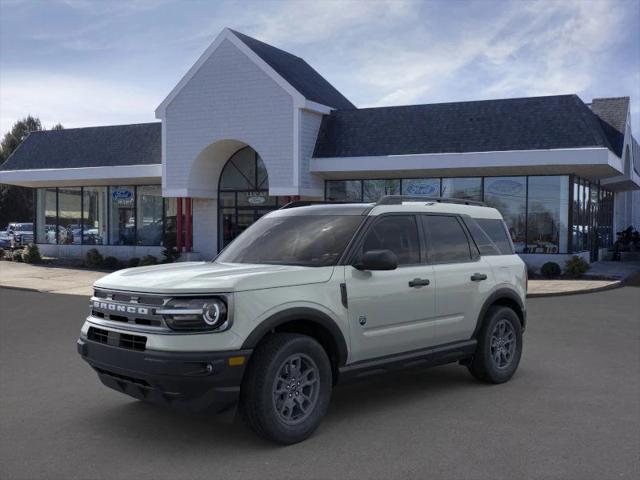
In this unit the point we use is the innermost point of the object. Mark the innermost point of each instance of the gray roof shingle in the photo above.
(533, 123)
(613, 116)
(298, 73)
(108, 146)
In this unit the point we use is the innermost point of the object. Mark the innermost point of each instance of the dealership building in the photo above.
(251, 127)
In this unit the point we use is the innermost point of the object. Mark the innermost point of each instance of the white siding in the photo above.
(229, 97)
(311, 185)
(205, 227)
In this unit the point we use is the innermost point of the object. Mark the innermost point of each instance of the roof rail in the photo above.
(306, 203)
(398, 199)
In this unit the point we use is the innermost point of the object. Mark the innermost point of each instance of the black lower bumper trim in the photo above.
(193, 381)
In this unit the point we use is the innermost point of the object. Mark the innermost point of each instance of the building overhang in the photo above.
(591, 163)
(67, 177)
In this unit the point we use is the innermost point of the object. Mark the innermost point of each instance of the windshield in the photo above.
(310, 241)
(23, 227)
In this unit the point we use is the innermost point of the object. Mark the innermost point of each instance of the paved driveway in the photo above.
(572, 410)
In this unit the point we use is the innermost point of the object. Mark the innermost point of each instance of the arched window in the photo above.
(243, 194)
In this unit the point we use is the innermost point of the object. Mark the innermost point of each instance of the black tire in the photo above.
(495, 360)
(270, 391)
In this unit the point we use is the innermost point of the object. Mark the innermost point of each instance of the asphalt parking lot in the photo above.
(572, 410)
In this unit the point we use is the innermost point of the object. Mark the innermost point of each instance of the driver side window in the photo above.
(398, 233)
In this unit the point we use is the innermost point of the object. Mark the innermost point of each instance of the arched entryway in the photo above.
(243, 194)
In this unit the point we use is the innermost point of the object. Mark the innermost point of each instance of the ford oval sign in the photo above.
(505, 187)
(256, 199)
(426, 189)
(121, 194)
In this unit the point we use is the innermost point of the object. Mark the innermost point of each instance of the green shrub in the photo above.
(576, 267)
(550, 270)
(1, 253)
(31, 254)
(148, 260)
(16, 256)
(110, 263)
(94, 258)
(133, 262)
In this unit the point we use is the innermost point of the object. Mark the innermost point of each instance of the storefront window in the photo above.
(94, 215)
(372, 190)
(344, 190)
(548, 200)
(170, 222)
(46, 215)
(69, 216)
(428, 187)
(122, 221)
(149, 215)
(509, 196)
(466, 188)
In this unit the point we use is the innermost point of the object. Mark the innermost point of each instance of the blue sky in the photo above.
(83, 63)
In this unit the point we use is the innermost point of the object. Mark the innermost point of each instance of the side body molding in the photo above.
(304, 314)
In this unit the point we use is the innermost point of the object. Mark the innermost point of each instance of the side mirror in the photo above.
(377, 260)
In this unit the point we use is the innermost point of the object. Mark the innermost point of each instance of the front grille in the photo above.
(116, 339)
(130, 308)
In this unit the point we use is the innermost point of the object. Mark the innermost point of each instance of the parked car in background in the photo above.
(19, 234)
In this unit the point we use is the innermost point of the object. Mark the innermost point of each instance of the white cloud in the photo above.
(73, 101)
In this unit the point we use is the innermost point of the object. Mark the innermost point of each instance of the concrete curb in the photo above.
(617, 284)
(26, 289)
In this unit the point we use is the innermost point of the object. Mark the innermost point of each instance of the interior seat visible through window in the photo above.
(398, 233)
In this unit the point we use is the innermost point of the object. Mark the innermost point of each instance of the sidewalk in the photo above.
(75, 281)
(72, 281)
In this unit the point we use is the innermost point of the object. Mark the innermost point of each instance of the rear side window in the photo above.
(397, 233)
(497, 232)
(446, 239)
(482, 239)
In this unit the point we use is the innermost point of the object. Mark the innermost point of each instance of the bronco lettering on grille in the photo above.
(115, 307)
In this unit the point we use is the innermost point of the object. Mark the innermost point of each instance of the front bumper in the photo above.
(192, 381)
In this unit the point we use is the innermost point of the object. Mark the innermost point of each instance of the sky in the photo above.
(102, 62)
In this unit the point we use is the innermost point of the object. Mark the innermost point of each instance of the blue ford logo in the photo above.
(422, 189)
(122, 194)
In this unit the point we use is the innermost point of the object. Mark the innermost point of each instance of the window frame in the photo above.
(358, 239)
(474, 252)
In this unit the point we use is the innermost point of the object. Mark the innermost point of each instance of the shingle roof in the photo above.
(533, 123)
(108, 146)
(298, 73)
(613, 116)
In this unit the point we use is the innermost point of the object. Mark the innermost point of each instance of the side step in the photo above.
(427, 357)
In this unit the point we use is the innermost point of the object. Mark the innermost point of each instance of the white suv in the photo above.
(309, 296)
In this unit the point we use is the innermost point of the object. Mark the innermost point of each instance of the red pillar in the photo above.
(179, 225)
(187, 212)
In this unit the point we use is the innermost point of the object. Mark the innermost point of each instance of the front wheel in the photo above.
(499, 346)
(287, 387)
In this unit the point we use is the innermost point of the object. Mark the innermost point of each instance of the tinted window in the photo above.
(397, 233)
(497, 232)
(481, 238)
(447, 240)
(311, 241)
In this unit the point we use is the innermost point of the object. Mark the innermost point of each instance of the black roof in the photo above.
(612, 113)
(533, 123)
(298, 73)
(108, 146)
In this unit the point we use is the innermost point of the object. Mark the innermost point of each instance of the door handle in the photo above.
(477, 277)
(419, 282)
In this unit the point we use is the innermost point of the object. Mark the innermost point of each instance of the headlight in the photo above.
(196, 314)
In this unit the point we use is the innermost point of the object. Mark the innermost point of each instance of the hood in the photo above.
(207, 277)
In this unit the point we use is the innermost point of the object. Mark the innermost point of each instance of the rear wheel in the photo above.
(499, 346)
(287, 387)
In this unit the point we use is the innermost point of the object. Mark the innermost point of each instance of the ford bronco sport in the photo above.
(309, 296)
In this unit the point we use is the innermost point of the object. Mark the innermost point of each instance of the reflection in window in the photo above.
(122, 221)
(548, 199)
(398, 233)
(46, 215)
(344, 190)
(509, 196)
(149, 215)
(428, 187)
(94, 216)
(466, 188)
(69, 216)
(447, 240)
(372, 190)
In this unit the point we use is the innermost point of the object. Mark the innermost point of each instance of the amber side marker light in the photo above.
(236, 361)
